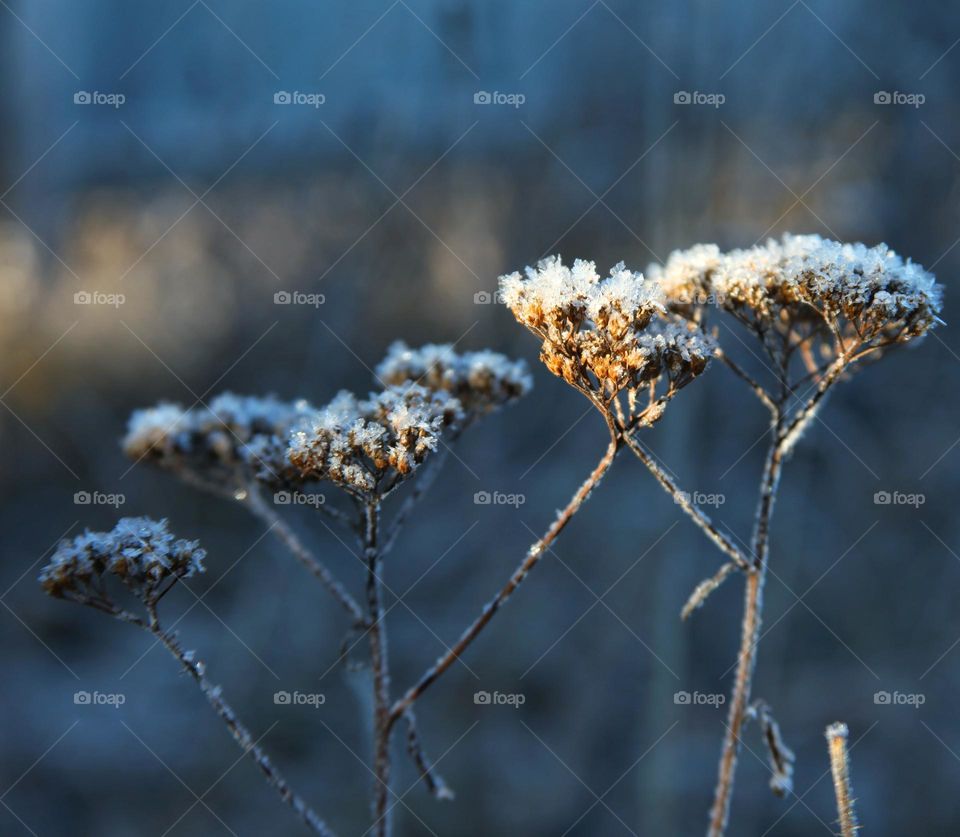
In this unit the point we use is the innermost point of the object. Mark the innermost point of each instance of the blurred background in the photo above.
(166, 169)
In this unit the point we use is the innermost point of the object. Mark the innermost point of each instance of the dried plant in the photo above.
(242, 448)
(817, 309)
(628, 343)
(840, 768)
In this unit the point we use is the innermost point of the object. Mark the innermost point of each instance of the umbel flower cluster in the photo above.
(221, 441)
(369, 446)
(481, 381)
(362, 445)
(140, 552)
(851, 294)
(605, 336)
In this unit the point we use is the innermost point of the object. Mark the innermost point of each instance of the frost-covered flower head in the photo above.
(139, 551)
(603, 335)
(370, 446)
(481, 381)
(857, 294)
(233, 432)
(685, 277)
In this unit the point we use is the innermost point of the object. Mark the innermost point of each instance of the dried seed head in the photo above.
(233, 435)
(369, 446)
(482, 381)
(139, 551)
(604, 335)
(858, 294)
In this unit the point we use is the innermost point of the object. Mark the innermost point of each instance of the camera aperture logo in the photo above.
(298, 498)
(686, 97)
(114, 699)
(98, 298)
(98, 498)
(715, 700)
(886, 97)
(916, 700)
(899, 498)
(298, 298)
(314, 699)
(285, 97)
(498, 498)
(514, 699)
(95, 97)
(484, 97)
(699, 498)
(488, 298)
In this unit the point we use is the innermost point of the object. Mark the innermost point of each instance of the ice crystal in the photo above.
(371, 445)
(482, 381)
(139, 551)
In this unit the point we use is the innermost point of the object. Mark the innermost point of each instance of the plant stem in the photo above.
(381, 670)
(750, 633)
(534, 554)
(682, 499)
(288, 537)
(840, 767)
(239, 732)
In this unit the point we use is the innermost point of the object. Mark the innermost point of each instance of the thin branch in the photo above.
(840, 768)
(288, 537)
(682, 499)
(534, 554)
(749, 637)
(381, 669)
(422, 485)
(237, 730)
(758, 390)
(705, 588)
(434, 781)
(781, 756)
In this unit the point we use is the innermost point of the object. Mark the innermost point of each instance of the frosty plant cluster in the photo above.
(815, 309)
(627, 342)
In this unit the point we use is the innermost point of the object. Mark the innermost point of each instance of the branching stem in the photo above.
(534, 554)
(237, 730)
(279, 527)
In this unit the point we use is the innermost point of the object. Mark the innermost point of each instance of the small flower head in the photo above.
(140, 552)
(604, 336)
(368, 447)
(481, 381)
(218, 441)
